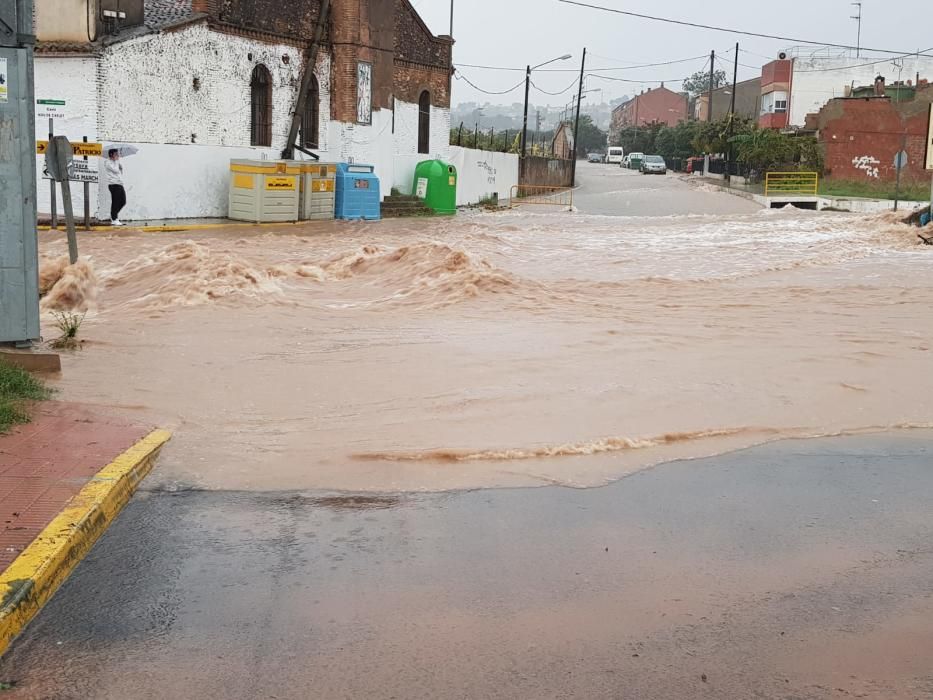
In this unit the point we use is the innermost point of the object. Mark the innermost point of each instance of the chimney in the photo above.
(200, 6)
(879, 86)
(662, 83)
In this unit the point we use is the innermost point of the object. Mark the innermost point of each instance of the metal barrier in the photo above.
(541, 194)
(792, 183)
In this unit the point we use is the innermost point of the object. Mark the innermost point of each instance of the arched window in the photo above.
(260, 86)
(310, 120)
(424, 122)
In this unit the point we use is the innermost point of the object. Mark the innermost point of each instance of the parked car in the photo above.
(615, 155)
(633, 161)
(595, 158)
(653, 164)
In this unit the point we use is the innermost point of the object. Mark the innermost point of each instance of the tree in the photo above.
(590, 137)
(698, 83)
(765, 148)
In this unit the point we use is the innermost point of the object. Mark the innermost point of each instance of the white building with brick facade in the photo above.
(196, 83)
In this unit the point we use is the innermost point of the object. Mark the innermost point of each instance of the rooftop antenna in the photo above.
(858, 18)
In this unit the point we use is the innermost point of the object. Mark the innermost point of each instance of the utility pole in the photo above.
(525, 117)
(712, 76)
(289, 151)
(858, 18)
(460, 135)
(735, 80)
(476, 135)
(576, 126)
(19, 265)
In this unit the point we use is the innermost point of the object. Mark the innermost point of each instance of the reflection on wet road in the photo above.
(795, 570)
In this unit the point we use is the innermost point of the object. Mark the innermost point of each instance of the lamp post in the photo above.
(527, 88)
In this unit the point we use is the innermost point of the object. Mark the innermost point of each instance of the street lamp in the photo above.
(527, 87)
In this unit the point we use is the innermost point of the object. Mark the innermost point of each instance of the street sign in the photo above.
(81, 149)
(80, 171)
(900, 160)
(4, 81)
(50, 109)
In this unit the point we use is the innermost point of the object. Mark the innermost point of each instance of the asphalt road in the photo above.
(611, 191)
(793, 570)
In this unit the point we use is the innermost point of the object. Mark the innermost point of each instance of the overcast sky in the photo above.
(513, 33)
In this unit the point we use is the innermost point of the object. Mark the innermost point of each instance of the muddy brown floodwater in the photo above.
(497, 350)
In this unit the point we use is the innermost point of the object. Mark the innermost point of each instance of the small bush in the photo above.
(68, 323)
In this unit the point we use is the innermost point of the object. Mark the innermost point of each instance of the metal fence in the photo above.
(537, 194)
(785, 183)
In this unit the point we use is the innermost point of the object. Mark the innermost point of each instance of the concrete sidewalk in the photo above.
(63, 478)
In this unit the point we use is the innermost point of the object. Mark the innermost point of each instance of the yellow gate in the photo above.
(779, 184)
(538, 194)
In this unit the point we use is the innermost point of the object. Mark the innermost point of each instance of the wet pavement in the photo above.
(801, 569)
(609, 190)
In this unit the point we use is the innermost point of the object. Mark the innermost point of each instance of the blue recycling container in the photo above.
(357, 192)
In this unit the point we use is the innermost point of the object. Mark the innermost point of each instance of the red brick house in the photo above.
(658, 105)
(861, 136)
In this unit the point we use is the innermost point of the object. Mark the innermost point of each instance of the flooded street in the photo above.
(346, 397)
(521, 348)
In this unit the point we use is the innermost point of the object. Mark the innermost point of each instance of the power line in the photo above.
(697, 25)
(865, 65)
(632, 80)
(569, 87)
(461, 76)
(572, 70)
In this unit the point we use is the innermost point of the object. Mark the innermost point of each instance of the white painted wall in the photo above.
(73, 79)
(147, 88)
(818, 80)
(481, 173)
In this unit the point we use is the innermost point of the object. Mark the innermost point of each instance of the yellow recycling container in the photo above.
(318, 182)
(264, 191)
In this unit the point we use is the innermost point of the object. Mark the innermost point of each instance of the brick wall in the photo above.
(860, 137)
(295, 18)
(415, 43)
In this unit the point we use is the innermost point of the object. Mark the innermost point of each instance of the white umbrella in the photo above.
(123, 149)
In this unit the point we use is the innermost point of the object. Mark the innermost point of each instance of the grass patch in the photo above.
(17, 387)
(910, 192)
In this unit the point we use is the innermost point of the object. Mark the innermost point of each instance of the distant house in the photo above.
(747, 101)
(658, 105)
(562, 145)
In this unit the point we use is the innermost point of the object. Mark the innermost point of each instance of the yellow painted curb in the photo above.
(173, 228)
(34, 576)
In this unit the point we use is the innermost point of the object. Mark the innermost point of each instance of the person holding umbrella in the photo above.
(115, 179)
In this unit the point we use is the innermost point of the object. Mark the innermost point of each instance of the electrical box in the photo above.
(19, 251)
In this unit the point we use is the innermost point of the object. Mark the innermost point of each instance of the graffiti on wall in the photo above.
(867, 164)
(490, 171)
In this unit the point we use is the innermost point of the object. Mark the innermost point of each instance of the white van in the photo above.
(615, 155)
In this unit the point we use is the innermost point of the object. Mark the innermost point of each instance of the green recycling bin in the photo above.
(436, 183)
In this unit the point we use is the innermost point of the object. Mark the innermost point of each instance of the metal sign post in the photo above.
(59, 161)
(900, 162)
